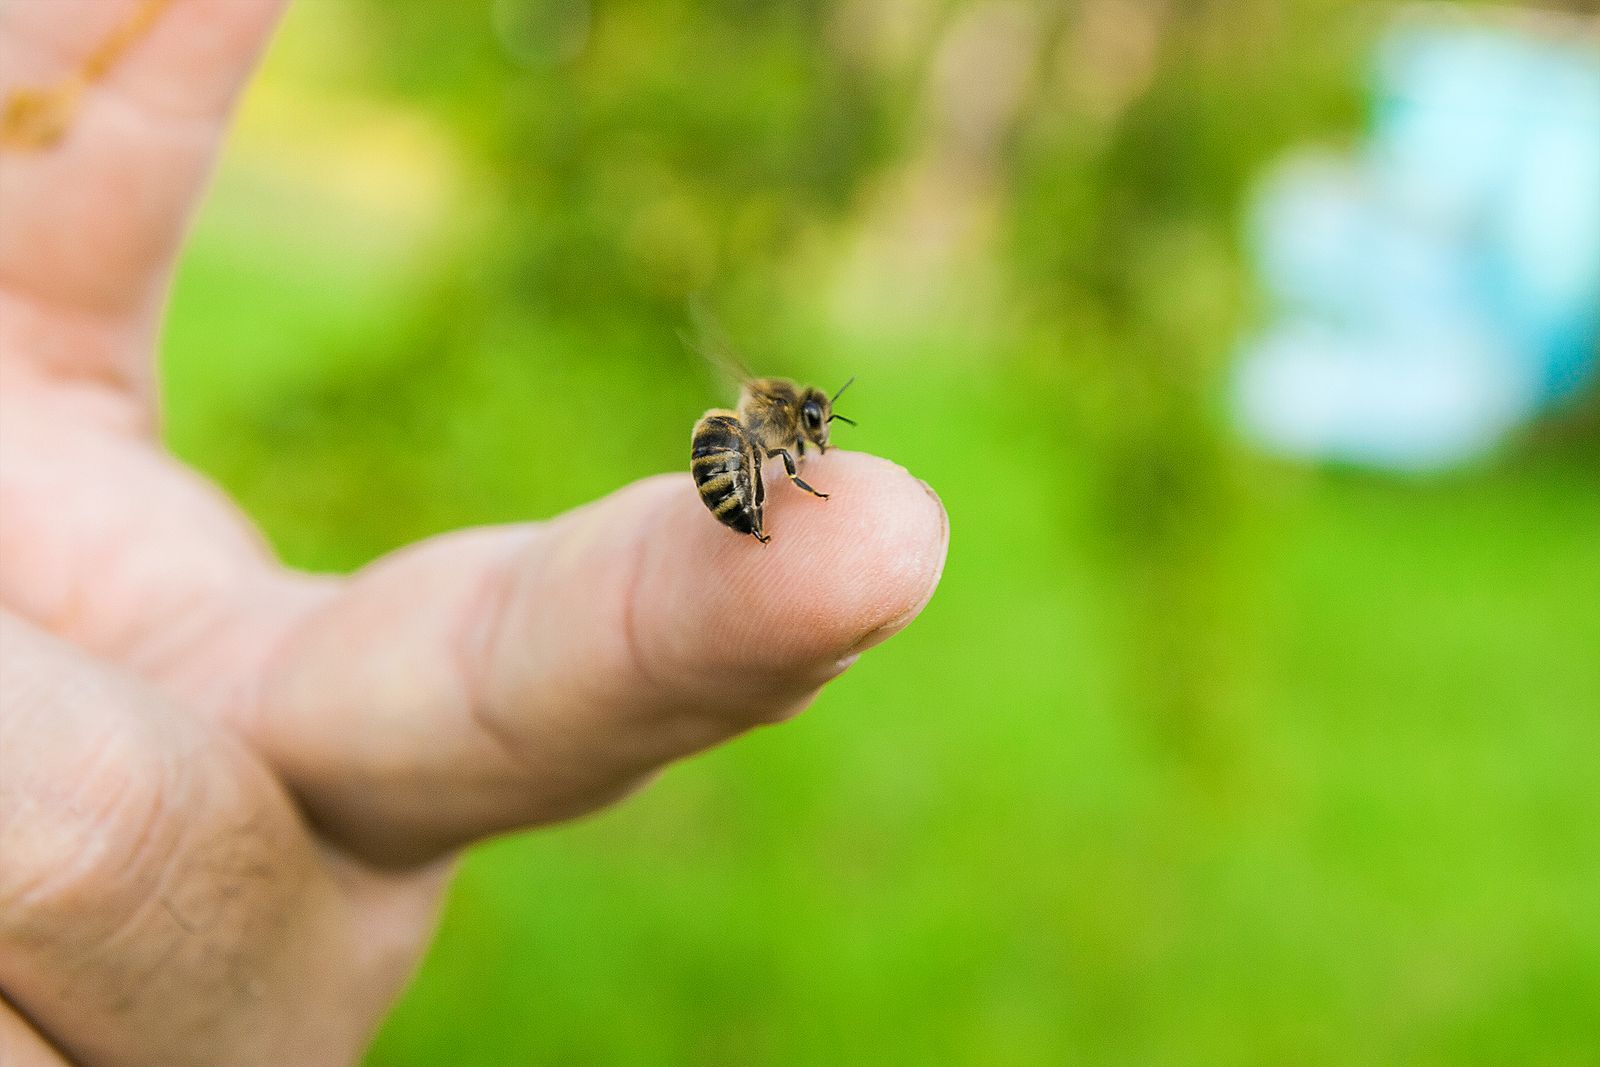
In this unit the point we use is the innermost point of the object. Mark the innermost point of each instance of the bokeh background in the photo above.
(1197, 757)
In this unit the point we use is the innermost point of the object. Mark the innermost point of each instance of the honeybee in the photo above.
(776, 418)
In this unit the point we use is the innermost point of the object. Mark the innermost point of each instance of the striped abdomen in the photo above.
(727, 471)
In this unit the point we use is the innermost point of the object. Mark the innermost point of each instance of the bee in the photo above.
(776, 419)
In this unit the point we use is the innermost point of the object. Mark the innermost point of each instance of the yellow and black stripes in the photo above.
(726, 466)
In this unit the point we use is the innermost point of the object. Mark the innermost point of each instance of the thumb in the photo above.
(500, 678)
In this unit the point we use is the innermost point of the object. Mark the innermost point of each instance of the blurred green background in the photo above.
(1196, 758)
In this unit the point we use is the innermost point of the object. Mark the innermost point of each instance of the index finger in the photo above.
(94, 211)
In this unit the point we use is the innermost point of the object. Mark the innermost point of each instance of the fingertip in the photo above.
(839, 576)
(877, 550)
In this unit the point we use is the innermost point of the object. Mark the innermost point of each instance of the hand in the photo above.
(229, 792)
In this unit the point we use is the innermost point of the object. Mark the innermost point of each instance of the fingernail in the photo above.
(882, 633)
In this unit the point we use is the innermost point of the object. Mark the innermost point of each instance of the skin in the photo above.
(230, 792)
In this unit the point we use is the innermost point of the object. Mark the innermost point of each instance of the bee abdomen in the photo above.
(728, 479)
(715, 434)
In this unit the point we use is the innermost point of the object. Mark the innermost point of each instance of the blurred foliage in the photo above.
(1195, 758)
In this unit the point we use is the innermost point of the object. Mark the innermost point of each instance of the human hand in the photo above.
(229, 792)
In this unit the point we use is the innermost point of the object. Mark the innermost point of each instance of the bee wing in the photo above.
(713, 345)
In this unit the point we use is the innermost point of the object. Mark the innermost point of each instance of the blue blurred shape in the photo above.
(1443, 286)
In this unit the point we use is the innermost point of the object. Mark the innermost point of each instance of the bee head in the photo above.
(816, 412)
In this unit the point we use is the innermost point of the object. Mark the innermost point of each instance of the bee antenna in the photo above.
(841, 418)
(842, 388)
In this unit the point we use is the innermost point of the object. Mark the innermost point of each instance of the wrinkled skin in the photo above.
(230, 792)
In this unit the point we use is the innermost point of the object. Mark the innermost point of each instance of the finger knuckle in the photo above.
(83, 833)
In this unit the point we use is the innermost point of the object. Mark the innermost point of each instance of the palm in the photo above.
(182, 711)
(112, 545)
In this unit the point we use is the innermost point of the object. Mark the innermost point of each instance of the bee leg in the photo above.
(794, 473)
